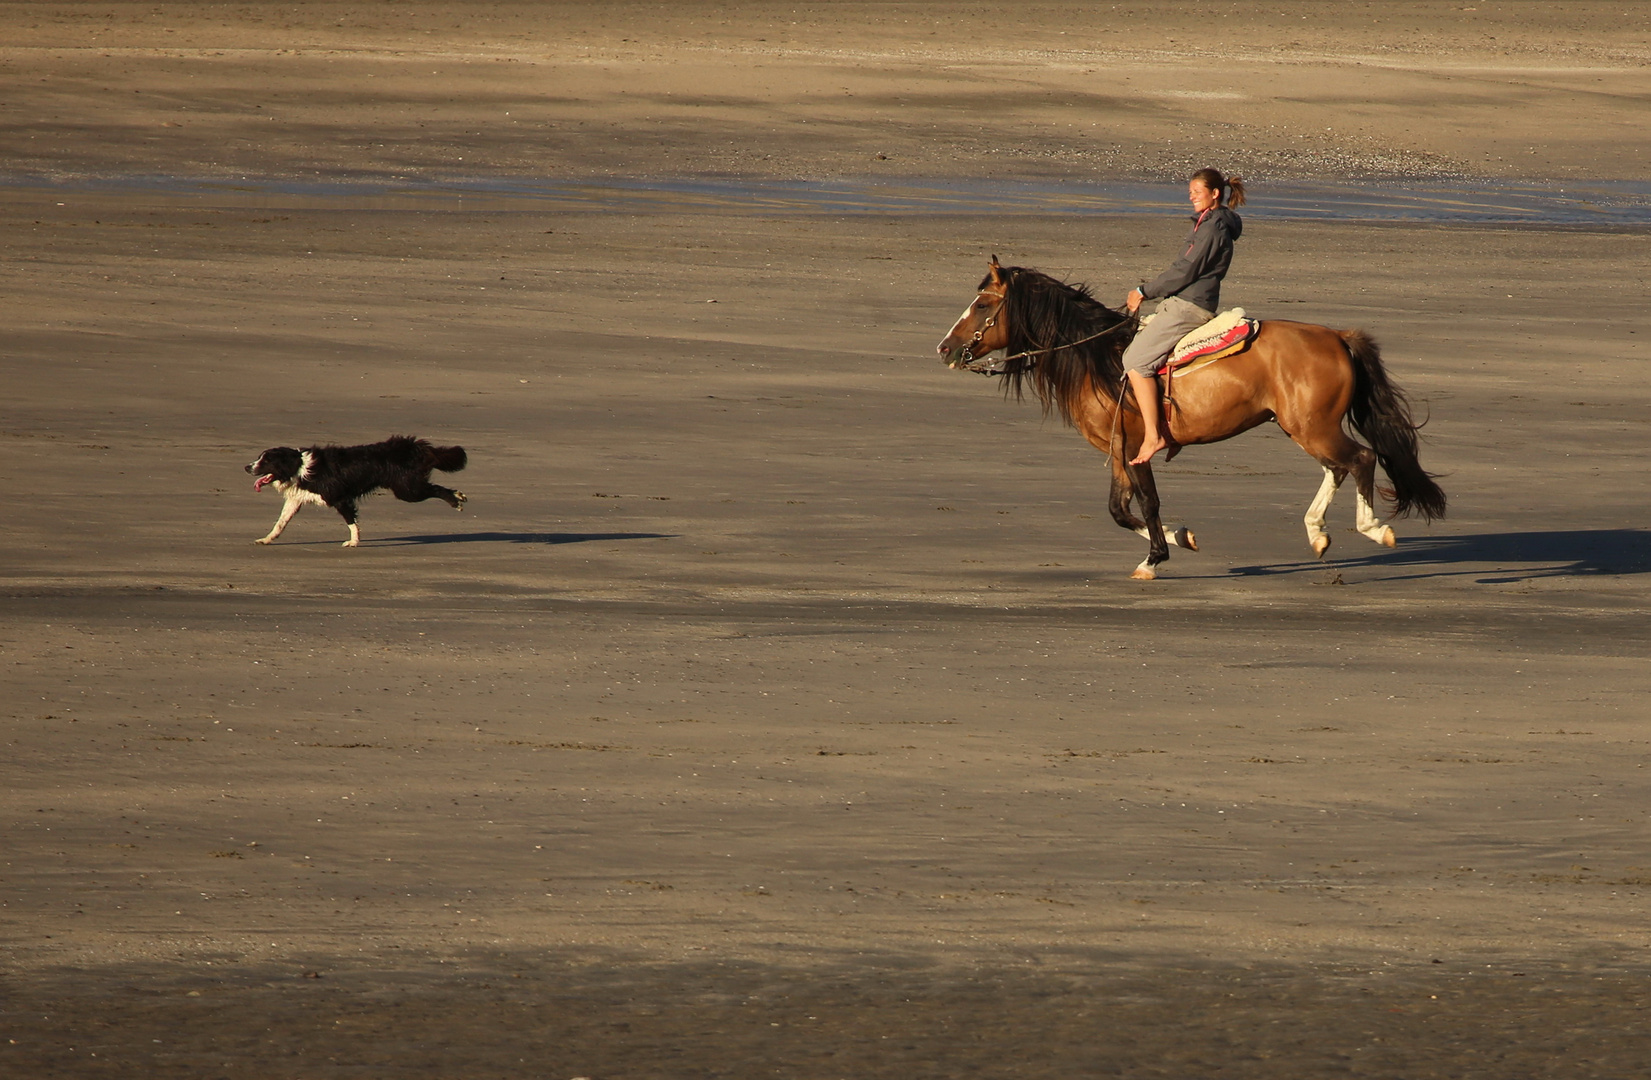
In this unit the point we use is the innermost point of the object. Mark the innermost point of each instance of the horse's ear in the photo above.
(995, 270)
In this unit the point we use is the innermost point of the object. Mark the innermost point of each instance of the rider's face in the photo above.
(1202, 196)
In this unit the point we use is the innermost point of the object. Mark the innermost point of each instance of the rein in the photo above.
(1069, 344)
(995, 367)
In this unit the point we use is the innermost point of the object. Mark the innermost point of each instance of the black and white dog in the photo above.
(338, 476)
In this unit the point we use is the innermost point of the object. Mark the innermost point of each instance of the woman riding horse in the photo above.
(1190, 291)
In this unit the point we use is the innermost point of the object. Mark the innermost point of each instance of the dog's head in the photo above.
(276, 465)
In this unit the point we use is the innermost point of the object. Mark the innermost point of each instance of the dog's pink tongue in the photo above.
(258, 484)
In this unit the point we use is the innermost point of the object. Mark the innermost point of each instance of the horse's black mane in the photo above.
(1043, 313)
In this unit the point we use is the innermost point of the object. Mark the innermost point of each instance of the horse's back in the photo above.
(1294, 349)
(1310, 335)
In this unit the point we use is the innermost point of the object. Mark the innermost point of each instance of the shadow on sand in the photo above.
(511, 538)
(1500, 557)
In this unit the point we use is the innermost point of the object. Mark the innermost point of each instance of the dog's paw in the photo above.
(351, 543)
(459, 499)
(264, 540)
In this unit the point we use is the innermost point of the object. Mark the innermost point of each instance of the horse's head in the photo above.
(980, 329)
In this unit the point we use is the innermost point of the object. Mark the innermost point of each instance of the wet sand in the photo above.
(780, 704)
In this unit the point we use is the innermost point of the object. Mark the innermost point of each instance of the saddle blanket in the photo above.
(1229, 332)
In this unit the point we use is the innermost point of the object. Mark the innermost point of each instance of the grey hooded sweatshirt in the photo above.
(1196, 275)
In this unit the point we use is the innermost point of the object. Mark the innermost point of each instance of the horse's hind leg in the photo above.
(1364, 483)
(1314, 518)
(1339, 456)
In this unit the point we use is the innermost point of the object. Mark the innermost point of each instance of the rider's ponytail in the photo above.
(1233, 186)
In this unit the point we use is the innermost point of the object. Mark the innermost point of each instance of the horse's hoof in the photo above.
(1388, 539)
(1144, 573)
(1321, 544)
(1184, 537)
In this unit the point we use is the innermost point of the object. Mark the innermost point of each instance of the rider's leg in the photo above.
(1146, 396)
(1142, 359)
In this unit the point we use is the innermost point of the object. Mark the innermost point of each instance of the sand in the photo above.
(780, 704)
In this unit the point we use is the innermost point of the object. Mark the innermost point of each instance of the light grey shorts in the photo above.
(1176, 318)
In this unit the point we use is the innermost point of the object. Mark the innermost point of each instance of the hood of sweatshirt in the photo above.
(1234, 223)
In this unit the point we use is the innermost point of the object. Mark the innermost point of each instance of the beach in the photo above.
(780, 703)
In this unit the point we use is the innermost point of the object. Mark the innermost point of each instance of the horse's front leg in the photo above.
(1146, 494)
(1123, 491)
(1130, 483)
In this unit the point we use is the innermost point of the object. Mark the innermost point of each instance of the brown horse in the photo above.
(1311, 380)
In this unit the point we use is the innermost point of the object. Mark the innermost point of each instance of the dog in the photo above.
(339, 476)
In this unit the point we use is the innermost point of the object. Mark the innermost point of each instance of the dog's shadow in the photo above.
(546, 538)
(1501, 558)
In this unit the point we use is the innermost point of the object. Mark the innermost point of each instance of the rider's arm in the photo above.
(1209, 242)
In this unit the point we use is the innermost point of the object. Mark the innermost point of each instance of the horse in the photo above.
(1313, 381)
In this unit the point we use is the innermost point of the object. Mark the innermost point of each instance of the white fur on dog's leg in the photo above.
(355, 536)
(288, 512)
(459, 499)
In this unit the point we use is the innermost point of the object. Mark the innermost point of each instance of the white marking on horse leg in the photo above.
(1144, 572)
(1314, 518)
(355, 536)
(1179, 535)
(1368, 524)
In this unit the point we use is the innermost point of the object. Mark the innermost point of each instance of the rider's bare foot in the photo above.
(1144, 455)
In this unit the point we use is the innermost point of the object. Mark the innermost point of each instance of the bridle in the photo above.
(967, 357)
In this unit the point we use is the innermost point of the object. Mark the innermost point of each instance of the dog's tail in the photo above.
(448, 458)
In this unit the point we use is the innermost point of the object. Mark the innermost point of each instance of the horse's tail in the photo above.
(1381, 413)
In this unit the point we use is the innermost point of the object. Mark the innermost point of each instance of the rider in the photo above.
(1189, 292)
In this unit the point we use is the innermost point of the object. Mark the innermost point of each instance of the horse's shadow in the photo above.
(1501, 558)
(547, 538)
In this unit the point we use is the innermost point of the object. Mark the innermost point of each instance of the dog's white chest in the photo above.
(291, 492)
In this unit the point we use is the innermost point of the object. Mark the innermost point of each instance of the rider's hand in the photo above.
(1133, 300)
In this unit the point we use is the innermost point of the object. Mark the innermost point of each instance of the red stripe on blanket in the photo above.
(1231, 337)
